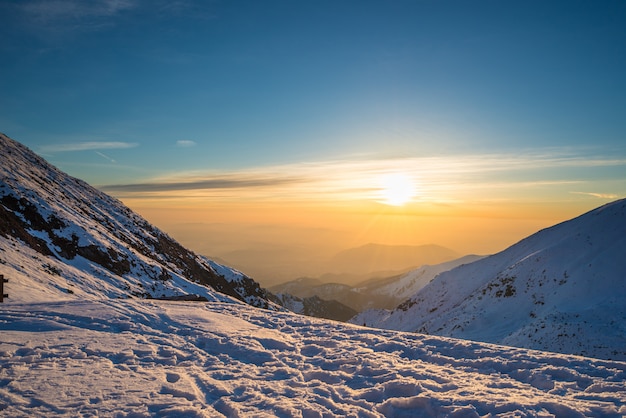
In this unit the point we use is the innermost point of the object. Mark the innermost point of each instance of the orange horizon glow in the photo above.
(292, 237)
(472, 205)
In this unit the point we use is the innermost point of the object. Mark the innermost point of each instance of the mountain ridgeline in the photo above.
(72, 225)
(374, 293)
(562, 289)
(85, 243)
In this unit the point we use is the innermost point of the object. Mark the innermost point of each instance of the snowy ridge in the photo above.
(74, 227)
(75, 343)
(377, 293)
(409, 283)
(561, 289)
(144, 358)
(37, 278)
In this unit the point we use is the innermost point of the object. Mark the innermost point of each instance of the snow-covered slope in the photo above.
(408, 284)
(142, 358)
(562, 289)
(59, 233)
(74, 343)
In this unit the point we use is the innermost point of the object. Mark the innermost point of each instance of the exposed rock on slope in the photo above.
(314, 306)
(71, 225)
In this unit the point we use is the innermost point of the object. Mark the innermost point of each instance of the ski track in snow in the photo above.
(136, 358)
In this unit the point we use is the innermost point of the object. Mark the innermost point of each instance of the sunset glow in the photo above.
(284, 133)
(397, 189)
(291, 215)
(446, 176)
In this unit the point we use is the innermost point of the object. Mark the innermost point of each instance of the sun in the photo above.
(397, 189)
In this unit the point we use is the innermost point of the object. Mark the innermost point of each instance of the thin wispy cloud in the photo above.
(54, 20)
(232, 181)
(92, 15)
(451, 178)
(58, 11)
(87, 146)
(185, 143)
(598, 195)
(106, 157)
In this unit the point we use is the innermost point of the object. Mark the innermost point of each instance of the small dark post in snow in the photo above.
(2, 282)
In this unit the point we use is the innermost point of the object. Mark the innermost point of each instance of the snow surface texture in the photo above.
(74, 343)
(136, 358)
(562, 289)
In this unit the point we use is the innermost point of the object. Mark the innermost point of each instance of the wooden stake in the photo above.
(2, 282)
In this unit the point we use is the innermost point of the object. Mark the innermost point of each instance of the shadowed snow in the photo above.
(163, 358)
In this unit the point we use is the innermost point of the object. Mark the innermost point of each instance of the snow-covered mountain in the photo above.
(562, 289)
(69, 236)
(74, 343)
(409, 283)
(83, 242)
(375, 293)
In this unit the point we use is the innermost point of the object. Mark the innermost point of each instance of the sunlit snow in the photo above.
(76, 341)
(147, 358)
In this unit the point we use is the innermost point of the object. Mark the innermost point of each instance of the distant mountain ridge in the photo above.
(375, 293)
(317, 307)
(275, 264)
(380, 257)
(85, 243)
(562, 289)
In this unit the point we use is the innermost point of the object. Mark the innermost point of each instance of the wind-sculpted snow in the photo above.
(136, 358)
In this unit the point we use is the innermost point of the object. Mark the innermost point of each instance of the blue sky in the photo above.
(122, 92)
